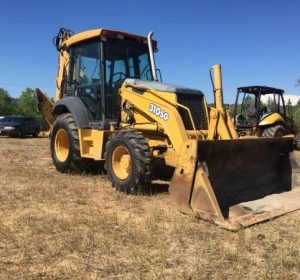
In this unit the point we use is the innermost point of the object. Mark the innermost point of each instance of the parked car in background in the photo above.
(19, 126)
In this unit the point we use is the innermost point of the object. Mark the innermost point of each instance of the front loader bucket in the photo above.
(237, 182)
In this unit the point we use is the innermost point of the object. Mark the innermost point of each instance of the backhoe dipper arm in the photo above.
(62, 70)
(60, 40)
(45, 105)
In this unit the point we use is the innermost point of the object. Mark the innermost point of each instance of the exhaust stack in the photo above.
(152, 60)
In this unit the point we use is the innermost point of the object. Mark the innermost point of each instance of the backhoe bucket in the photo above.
(45, 106)
(239, 182)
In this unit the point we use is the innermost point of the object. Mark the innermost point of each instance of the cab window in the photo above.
(124, 58)
(84, 77)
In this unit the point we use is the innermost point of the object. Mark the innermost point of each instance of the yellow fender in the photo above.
(272, 119)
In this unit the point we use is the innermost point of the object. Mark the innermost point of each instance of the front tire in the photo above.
(64, 144)
(274, 131)
(128, 161)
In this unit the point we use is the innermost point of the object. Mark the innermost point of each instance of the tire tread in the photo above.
(75, 163)
(142, 156)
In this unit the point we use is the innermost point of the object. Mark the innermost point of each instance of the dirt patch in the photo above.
(58, 226)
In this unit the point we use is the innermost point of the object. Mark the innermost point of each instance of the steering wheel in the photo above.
(89, 91)
(120, 77)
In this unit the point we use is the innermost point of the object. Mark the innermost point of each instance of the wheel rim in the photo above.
(61, 145)
(121, 162)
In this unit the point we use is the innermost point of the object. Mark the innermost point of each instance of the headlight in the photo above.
(8, 128)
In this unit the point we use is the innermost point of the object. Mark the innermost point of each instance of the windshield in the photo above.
(124, 58)
(11, 119)
(271, 103)
(246, 108)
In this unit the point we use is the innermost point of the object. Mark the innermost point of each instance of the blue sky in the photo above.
(257, 42)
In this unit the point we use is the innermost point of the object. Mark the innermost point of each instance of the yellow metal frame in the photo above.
(92, 142)
(174, 103)
(272, 119)
(173, 127)
(90, 34)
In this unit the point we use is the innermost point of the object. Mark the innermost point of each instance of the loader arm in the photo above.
(146, 99)
(221, 125)
(168, 122)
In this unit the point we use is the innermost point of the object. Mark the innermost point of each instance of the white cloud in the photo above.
(293, 98)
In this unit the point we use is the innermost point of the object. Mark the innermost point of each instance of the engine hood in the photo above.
(270, 119)
(162, 86)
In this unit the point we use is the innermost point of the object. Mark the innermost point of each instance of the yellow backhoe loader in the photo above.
(110, 107)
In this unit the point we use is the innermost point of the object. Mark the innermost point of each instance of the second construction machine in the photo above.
(261, 111)
(110, 107)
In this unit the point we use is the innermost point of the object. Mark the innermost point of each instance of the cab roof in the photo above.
(260, 89)
(91, 34)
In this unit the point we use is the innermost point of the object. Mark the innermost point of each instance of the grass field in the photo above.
(58, 226)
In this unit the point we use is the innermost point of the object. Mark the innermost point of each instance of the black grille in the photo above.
(195, 103)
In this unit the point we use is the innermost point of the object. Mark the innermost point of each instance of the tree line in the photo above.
(24, 105)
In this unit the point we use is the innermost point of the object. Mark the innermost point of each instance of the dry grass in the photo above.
(57, 226)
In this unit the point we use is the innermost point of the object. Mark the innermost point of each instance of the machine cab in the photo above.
(254, 104)
(98, 64)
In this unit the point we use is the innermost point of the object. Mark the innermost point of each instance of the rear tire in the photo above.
(274, 131)
(128, 161)
(64, 144)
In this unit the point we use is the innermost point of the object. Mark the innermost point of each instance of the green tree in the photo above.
(271, 104)
(6, 103)
(296, 114)
(289, 108)
(26, 105)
